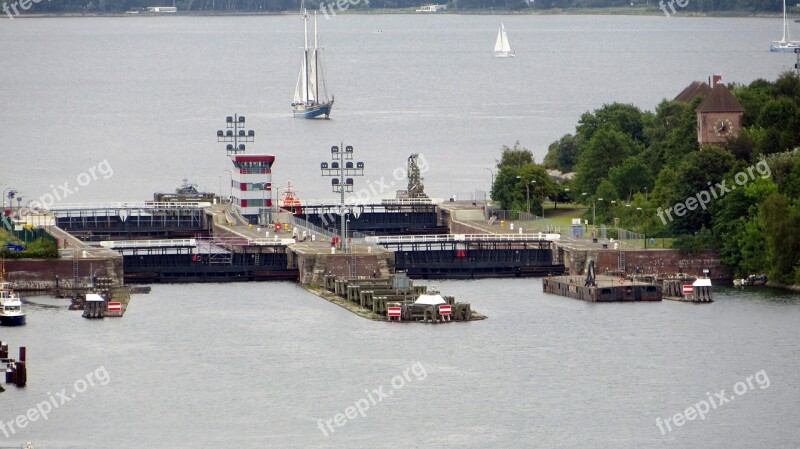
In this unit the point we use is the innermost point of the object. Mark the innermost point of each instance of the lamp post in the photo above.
(10, 194)
(594, 217)
(340, 167)
(492, 172)
(528, 193)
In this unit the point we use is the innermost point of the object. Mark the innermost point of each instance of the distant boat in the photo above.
(310, 94)
(11, 313)
(432, 8)
(501, 47)
(785, 44)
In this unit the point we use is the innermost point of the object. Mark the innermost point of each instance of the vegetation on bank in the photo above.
(631, 166)
(716, 7)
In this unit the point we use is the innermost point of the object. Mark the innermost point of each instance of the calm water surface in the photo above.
(257, 365)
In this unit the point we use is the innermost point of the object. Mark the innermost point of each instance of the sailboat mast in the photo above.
(305, 49)
(316, 61)
(785, 24)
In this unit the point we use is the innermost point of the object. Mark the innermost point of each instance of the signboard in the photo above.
(687, 289)
(445, 309)
(114, 306)
(393, 311)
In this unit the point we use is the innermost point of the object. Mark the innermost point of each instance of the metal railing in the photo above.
(439, 238)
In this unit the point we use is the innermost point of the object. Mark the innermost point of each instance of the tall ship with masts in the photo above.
(311, 95)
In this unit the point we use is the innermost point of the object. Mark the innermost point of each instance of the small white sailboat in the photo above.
(785, 44)
(310, 94)
(501, 47)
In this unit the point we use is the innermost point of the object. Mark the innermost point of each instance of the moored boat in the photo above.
(11, 313)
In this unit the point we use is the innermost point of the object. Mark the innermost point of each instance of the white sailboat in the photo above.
(785, 44)
(310, 94)
(501, 47)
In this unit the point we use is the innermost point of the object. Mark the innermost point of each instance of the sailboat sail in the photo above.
(501, 46)
(309, 100)
(785, 44)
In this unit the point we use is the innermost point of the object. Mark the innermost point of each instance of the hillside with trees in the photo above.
(633, 165)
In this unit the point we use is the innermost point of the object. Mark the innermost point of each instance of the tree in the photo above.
(562, 154)
(632, 176)
(607, 148)
(625, 118)
(515, 157)
(779, 220)
(701, 171)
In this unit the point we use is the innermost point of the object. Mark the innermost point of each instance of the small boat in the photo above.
(310, 94)
(11, 313)
(502, 49)
(432, 8)
(785, 44)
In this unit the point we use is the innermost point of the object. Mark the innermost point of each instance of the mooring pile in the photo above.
(16, 372)
(396, 298)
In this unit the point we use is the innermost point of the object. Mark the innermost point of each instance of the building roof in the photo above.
(720, 100)
(693, 90)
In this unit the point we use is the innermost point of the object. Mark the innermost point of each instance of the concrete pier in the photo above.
(605, 289)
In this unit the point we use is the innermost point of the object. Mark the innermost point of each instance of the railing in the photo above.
(442, 238)
(128, 205)
(171, 243)
(311, 227)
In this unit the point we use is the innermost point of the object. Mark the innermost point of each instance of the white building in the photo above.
(251, 185)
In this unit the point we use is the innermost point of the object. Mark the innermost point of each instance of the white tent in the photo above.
(92, 297)
(702, 282)
(430, 300)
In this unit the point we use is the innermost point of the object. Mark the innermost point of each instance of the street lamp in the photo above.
(528, 194)
(11, 193)
(492, 172)
(340, 167)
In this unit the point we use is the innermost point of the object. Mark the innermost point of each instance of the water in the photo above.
(148, 93)
(257, 365)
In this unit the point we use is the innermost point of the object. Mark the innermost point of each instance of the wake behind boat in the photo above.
(310, 94)
(785, 44)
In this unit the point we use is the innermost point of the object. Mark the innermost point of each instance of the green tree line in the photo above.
(634, 165)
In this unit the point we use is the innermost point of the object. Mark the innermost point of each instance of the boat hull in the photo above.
(315, 111)
(12, 320)
(786, 47)
(504, 54)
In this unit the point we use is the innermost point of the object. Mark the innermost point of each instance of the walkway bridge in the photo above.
(105, 221)
(473, 255)
(204, 259)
